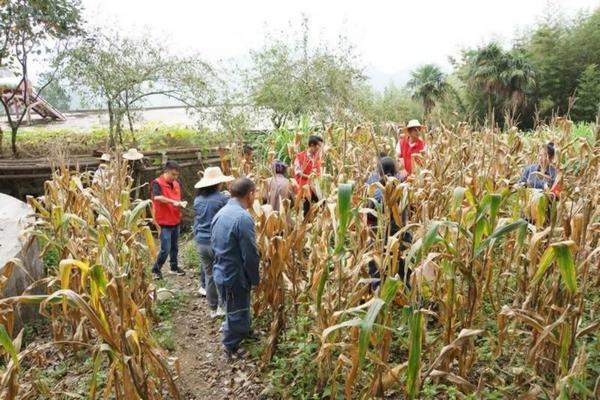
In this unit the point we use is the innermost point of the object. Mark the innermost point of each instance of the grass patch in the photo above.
(164, 311)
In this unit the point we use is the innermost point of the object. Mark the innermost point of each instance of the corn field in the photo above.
(505, 284)
(503, 298)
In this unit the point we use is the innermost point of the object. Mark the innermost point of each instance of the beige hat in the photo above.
(132, 155)
(212, 176)
(105, 157)
(413, 123)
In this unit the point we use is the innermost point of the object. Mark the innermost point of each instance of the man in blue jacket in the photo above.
(235, 270)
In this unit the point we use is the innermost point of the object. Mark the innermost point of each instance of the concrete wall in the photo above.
(15, 242)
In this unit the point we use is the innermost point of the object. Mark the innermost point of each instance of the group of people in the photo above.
(224, 230)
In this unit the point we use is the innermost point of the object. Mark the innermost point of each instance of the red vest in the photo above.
(406, 151)
(167, 214)
(307, 165)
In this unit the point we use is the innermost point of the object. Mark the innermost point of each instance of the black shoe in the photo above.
(178, 272)
(237, 354)
(157, 275)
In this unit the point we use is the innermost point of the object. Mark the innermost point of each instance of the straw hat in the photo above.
(105, 157)
(212, 176)
(413, 123)
(132, 155)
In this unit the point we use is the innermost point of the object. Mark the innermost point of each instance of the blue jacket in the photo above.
(534, 180)
(233, 240)
(206, 208)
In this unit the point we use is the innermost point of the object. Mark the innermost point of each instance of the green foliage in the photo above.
(26, 28)
(164, 311)
(292, 373)
(393, 105)
(34, 141)
(124, 72)
(587, 105)
(428, 84)
(294, 78)
(191, 259)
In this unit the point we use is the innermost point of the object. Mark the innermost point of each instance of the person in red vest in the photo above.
(409, 145)
(167, 205)
(306, 164)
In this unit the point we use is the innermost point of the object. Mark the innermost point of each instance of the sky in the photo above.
(391, 37)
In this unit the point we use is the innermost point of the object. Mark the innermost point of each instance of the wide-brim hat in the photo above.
(413, 123)
(105, 157)
(212, 176)
(132, 155)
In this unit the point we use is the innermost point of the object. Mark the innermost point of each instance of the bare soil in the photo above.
(205, 372)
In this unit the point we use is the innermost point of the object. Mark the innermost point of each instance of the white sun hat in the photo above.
(212, 176)
(413, 123)
(105, 157)
(132, 155)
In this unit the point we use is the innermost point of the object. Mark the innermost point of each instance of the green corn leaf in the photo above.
(344, 212)
(431, 237)
(544, 264)
(495, 200)
(389, 289)
(321, 287)
(499, 233)
(457, 199)
(414, 354)
(9, 347)
(134, 215)
(566, 265)
(366, 327)
(541, 205)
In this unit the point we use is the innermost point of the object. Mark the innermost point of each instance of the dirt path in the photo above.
(206, 374)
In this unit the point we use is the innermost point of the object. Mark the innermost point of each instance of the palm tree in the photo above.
(518, 78)
(486, 65)
(504, 77)
(428, 84)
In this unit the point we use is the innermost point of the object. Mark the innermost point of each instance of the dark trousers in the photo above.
(308, 202)
(238, 320)
(169, 247)
(403, 272)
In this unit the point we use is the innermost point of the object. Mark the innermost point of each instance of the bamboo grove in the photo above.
(504, 290)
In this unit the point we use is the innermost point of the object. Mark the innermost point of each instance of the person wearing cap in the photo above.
(236, 266)
(134, 159)
(307, 164)
(409, 145)
(278, 187)
(167, 205)
(209, 200)
(101, 175)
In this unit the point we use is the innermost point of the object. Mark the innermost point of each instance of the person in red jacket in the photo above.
(167, 205)
(307, 164)
(409, 145)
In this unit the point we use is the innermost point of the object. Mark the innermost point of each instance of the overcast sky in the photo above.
(390, 36)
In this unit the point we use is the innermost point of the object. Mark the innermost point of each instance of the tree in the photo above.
(56, 92)
(124, 72)
(428, 85)
(26, 29)
(292, 78)
(503, 78)
(587, 103)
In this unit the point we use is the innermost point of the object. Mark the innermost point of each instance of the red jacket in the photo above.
(405, 150)
(167, 214)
